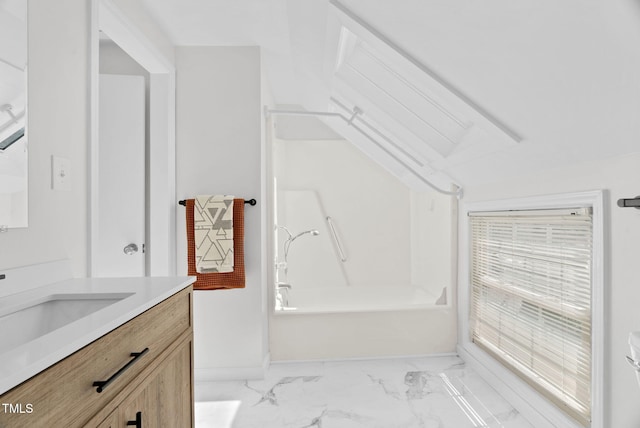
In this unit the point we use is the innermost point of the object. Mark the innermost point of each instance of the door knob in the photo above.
(130, 249)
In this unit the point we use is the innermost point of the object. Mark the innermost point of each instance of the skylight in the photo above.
(424, 124)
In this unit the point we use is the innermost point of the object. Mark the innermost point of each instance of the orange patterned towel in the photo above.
(217, 281)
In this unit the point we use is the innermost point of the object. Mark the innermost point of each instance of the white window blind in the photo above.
(531, 299)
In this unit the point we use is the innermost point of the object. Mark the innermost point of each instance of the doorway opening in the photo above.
(158, 170)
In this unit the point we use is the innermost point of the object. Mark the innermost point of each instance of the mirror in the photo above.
(13, 114)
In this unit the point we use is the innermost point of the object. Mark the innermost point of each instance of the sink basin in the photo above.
(36, 318)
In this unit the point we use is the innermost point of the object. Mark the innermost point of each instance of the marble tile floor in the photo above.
(430, 392)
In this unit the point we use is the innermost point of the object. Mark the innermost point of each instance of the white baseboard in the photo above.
(212, 374)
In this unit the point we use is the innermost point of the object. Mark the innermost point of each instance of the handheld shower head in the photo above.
(312, 232)
(289, 241)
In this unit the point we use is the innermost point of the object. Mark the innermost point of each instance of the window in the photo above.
(531, 298)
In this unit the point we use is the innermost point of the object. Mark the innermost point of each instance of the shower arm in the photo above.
(350, 122)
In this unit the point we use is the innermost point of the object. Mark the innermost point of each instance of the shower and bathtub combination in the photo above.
(315, 275)
(363, 264)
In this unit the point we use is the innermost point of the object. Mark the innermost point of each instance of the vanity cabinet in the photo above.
(147, 362)
(110, 422)
(156, 402)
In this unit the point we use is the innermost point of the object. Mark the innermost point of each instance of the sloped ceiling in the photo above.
(563, 76)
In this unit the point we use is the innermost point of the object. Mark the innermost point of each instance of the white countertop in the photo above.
(24, 361)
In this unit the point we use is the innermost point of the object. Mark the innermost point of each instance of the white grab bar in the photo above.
(343, 257)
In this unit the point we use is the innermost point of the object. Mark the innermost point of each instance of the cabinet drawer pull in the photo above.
(138, 422)
(102, 384)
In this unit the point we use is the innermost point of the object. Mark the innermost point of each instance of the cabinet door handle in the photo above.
(102, 384)
(138, 422)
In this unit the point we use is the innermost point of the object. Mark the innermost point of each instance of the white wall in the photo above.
(58, 110)
(620, 176)
(58, 103)
(147, 26)
(219, 140)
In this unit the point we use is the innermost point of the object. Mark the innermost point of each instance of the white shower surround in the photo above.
(398, 243)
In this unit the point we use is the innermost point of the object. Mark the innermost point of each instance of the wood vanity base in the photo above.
(156, 386)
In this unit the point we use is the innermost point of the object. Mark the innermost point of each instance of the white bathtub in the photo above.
(361, 322)
(357, 298)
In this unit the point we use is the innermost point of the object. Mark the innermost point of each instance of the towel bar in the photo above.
(251, 202)
(627, 203)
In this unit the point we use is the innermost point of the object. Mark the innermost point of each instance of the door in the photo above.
(121, 177)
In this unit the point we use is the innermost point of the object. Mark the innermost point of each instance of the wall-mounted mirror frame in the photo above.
(14, 180)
